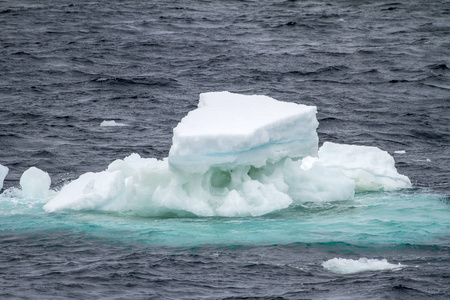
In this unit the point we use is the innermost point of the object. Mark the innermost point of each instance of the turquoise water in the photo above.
(377, 71)
(413, 217)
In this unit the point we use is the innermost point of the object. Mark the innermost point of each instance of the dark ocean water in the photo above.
(378, 72)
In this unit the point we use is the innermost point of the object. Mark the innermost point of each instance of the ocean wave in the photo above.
(137, 80)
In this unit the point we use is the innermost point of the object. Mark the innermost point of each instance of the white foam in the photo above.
(229, 129)
(351, 266)
(3, 172)
(35, 183)
(112, 123)
(372, 168)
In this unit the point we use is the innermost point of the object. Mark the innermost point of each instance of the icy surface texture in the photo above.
(3, 172)
(372, 168)
(35, 183)
(229, 129)
(150, 188)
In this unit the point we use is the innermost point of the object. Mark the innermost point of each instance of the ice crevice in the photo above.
(234, 155)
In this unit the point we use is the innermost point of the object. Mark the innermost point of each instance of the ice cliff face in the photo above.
(228, 130)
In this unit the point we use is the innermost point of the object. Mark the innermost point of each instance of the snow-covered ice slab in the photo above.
(228, 130)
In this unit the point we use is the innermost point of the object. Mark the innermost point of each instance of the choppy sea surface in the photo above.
(378, 72)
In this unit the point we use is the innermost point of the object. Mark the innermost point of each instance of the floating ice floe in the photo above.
(351, 266)
(112, 123)
(235, 155)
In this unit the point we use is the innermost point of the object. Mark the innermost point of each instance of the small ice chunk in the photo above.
(351, 266)
(35, 183)
(3, 172)
(400, 152)
(372, 168)
(227, 130)
(90, 191)
(112, 123)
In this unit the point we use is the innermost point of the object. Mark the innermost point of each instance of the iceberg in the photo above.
(235, 155)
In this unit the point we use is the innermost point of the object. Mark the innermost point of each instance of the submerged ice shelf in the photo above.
(235, 155)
